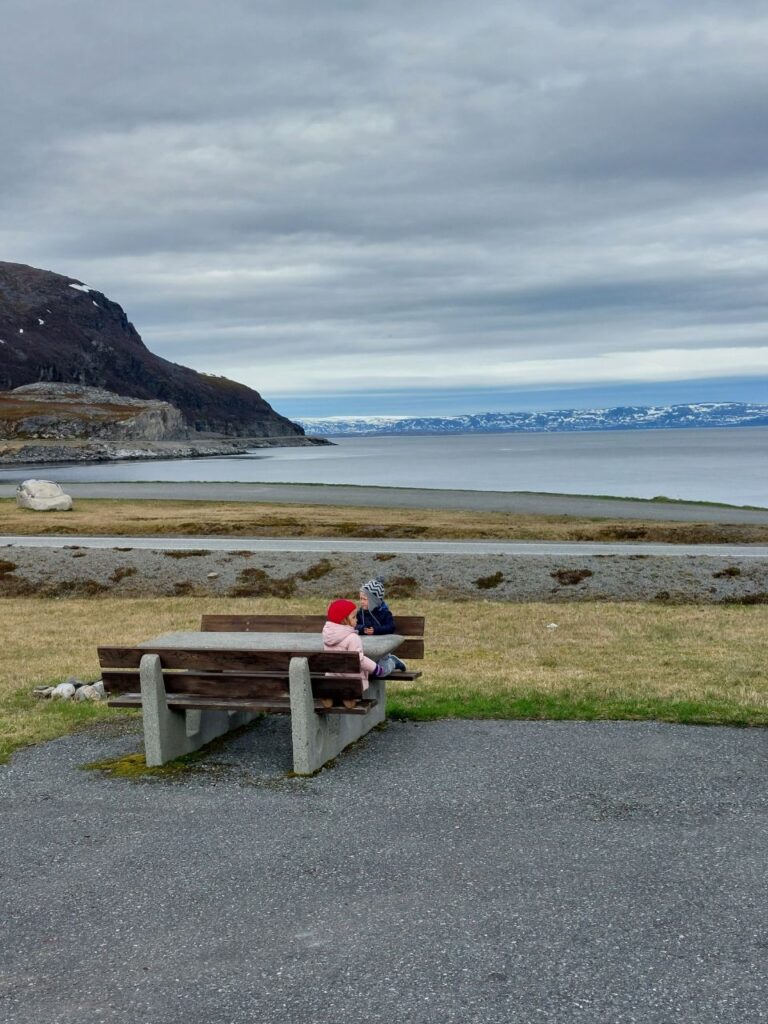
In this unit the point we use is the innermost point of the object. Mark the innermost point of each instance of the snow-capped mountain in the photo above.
(634, 417)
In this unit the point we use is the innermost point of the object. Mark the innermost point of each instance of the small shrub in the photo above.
(402, 586)
(6, 566)
(257, 583)
(184, 589)
(74, 588)
(570, 577)
(12, 586)
(625, 533)
(384, 557)
(121, 573)
(317, 571)
(191, 553)
(79, 554)
(729, 570)
(489, 582)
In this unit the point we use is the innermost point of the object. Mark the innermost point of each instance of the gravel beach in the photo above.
(80, 571)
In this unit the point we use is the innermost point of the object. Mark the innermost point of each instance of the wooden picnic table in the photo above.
(195, 685)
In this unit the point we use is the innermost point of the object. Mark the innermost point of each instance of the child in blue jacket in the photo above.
(373, 616)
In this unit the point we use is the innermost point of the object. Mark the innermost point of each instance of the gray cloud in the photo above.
(289, 185)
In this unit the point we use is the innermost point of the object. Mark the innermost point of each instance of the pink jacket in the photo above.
(337, 637)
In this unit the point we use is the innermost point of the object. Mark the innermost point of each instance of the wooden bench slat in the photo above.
(228, 661)
(410, 649)
(407, 625)
(183, 702)
(225, 685)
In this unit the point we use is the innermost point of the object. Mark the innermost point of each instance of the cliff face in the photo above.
(53, 328)
(64, 411)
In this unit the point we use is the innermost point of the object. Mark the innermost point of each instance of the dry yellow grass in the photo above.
(142, 518)
(485, 659)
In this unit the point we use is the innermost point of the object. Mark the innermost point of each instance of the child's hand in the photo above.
(368, 630)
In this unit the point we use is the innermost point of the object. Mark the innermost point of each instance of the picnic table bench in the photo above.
(195, 686)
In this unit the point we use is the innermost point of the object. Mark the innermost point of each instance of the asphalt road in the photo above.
(532, 549)
(401, 497)
(456, 872)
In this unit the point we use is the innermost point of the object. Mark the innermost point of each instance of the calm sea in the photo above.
(729, 465)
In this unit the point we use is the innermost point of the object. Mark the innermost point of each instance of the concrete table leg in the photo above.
(318, 738)
(169, 733)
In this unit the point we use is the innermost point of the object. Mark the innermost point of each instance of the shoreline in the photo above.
(30, 455)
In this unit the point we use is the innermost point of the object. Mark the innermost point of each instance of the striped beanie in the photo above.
(375, 590)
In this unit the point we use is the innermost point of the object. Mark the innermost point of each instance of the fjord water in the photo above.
(725, 465)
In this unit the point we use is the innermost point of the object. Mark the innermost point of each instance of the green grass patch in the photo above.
(46, 719)
(430, 707)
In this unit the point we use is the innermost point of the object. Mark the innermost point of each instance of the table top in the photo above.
(303, 643)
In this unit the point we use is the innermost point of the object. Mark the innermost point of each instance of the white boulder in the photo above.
(87, 692)
(42, 496)
(64, 691)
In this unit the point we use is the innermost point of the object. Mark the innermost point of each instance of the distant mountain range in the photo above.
(633, 417)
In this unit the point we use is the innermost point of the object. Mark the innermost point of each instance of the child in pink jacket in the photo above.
(339, 635)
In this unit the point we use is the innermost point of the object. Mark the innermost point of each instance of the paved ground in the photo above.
(474, 872)
(407, 497)
(319, 546)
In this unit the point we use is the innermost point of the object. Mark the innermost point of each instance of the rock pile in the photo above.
(72, 689)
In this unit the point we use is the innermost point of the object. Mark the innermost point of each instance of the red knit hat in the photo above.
(340, 610)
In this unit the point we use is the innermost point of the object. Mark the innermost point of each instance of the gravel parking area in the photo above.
(472, 872)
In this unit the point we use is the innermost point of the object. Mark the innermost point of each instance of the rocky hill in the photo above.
(64, 411)
(54, 328)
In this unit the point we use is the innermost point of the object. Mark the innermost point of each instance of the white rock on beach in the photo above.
(42, 496)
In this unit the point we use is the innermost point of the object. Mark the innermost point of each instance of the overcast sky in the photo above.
(360, 205)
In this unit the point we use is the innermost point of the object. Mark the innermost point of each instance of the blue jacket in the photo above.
(380, 618)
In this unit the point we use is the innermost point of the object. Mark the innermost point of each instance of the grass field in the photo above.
(146, 517)
(691, 663)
